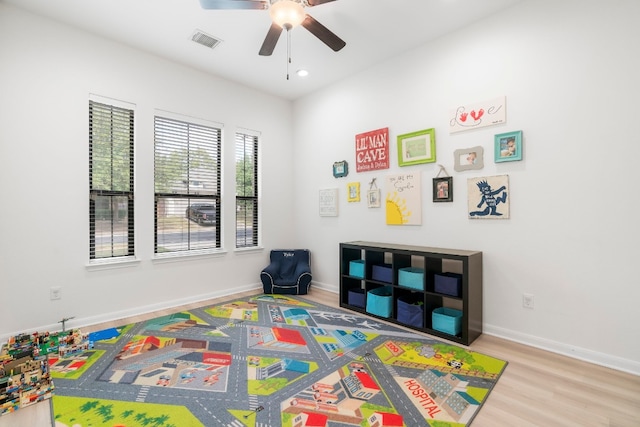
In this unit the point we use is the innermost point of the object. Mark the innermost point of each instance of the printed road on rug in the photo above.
(270, 360)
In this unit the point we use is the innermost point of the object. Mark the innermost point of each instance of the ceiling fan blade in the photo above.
(270, 41)
(317, 2)
(234, 4)
(323, 33)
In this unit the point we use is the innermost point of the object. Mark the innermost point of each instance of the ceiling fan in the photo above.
(285, 14)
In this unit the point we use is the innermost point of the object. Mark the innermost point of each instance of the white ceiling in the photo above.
(374, 30)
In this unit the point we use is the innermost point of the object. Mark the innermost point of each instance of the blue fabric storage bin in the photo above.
(446, 320)
(356, 297)
(411, 277)
(410, 313)
(448, 284)
(356, 268)
(380, 301)
(382, 273)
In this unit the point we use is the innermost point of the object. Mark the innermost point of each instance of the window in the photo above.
(111, 232)
(246, 190)
(187, 186)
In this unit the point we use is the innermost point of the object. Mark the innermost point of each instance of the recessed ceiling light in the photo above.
(302, 73)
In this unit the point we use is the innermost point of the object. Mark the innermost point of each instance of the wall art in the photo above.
(443, 189)
(328, 202)
(488, 197)
(340, 169)
(481, 114)
(373, 198)
(507, 147)
(403, 202)
(465, 159)
(417, 147)
(373, 195)
(353, 192)
(372, 150)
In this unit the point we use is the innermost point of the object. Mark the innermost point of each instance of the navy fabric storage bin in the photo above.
(356, 297)
(448, 284)
(410, 313)
(379, 301)
(382, 273)
(356, 268)
(446, 320)
(411, 277)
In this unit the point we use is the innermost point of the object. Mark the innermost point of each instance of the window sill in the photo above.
(251, 250)
(176, 257)
(107, 264)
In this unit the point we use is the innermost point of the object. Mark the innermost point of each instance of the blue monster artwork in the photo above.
(491, 198)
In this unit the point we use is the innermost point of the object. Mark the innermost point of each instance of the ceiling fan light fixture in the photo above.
(287, 13)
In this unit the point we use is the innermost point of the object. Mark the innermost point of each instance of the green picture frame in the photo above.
(507, 147)
(417, 147)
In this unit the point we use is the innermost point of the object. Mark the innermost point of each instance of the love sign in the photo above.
(473, 116)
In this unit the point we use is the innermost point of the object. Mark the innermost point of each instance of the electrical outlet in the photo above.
(55, 292)
(527, 301)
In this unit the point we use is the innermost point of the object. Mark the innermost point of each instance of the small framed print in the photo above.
(329, 202)
(340, 169)
(353, 192)
(507, 147)
(373, 198)
(443, 189)
(466, 159)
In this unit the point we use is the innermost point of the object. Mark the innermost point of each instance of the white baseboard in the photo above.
(81, 322)
(597, 358)
(325, 287)
(602, 359)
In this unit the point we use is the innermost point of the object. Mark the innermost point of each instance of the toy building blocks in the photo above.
(24, 376)
(24, 367)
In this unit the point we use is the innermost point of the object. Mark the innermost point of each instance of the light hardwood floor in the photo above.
(538, 388)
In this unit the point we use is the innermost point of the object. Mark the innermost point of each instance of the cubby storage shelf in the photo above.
(415, 259)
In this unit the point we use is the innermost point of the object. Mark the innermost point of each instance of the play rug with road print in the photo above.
(270, 360)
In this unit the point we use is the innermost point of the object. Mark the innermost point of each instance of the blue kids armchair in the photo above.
(288, 273)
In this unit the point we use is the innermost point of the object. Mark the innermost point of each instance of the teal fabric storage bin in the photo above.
(446, 320)
(411, 277)
(356, 268)
(380, 301)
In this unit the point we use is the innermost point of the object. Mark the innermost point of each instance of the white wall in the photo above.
(569, 71)
(47, 72)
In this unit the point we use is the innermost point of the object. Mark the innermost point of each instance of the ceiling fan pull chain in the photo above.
(288, 50)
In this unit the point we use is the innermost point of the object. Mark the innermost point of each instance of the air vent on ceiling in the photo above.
(205, 39)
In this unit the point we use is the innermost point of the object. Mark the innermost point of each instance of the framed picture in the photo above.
(328, 202)
(340, 169)
(465, 159)
(373, 198)
(353, 192)
(443, 189)
(488, 197)
(417, 147)
(507, 146)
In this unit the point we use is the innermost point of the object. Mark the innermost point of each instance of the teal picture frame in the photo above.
(417, 147)
(507, 147)
(340, 169)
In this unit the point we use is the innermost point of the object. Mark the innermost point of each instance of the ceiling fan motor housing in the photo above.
(287, 13)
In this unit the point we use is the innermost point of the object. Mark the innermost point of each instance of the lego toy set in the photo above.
(24, 367)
